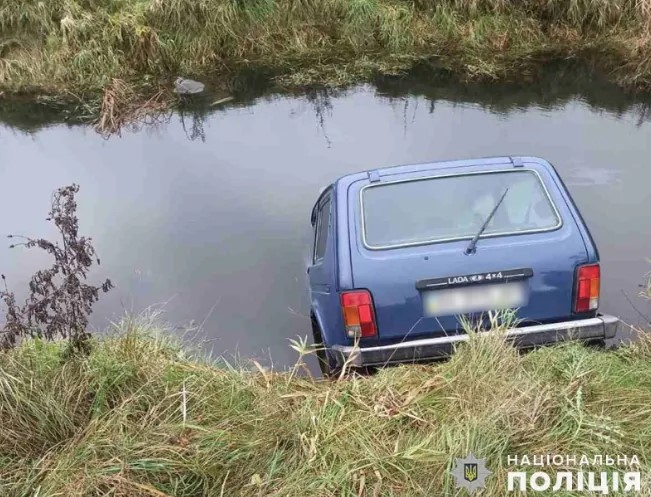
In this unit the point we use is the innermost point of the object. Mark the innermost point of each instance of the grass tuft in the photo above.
(121, 105)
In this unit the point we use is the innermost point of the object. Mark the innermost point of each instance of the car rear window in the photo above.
(452, 207)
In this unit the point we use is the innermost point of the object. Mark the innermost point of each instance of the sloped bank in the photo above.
(141, 417)
(113, 57)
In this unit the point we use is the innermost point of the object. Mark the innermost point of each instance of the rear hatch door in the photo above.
(409, 246)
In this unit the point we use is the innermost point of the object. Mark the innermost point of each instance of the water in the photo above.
(207, 216)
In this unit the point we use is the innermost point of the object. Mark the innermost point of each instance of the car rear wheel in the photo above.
(596, 343)
(326, 362)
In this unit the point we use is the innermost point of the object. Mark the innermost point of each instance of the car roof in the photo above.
(343, 182)
(346, 180)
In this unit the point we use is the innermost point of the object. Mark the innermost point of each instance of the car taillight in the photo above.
(587, 288)
(359, 315)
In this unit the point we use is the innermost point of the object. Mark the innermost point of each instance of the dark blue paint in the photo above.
(390, 275)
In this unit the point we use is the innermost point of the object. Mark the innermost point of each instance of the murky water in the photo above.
(208, 216)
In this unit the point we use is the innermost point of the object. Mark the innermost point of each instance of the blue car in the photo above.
(402, 253)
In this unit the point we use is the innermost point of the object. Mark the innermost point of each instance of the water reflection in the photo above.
(208, 211)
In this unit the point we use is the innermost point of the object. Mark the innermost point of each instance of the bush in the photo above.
(60, 301)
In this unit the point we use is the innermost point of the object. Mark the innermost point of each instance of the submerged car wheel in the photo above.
(326, 362)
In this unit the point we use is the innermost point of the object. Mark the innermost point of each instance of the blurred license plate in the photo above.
(478, 298)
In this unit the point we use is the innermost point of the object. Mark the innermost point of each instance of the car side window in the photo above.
(321, 233)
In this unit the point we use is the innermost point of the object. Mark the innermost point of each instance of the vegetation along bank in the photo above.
(137, 416)
(123, 56)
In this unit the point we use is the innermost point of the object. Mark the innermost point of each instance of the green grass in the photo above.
(79, 47)
(141, 417)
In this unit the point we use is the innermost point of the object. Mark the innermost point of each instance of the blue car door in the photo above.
(321, 269)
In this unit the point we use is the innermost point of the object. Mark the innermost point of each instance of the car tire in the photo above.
(326, 362)
(596, 343)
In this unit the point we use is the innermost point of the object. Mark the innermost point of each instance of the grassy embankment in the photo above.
(138, 417)
(130, 51)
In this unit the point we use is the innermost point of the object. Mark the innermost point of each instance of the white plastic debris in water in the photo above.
(188, 86)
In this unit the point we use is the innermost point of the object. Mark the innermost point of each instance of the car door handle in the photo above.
(308, 269)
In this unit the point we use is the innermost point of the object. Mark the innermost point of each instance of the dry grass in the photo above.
(72, 45)
(121, 106)
(140, 417)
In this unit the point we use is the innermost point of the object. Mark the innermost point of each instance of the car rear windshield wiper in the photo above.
(470, 249)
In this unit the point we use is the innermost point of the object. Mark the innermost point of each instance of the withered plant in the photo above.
(60, 301)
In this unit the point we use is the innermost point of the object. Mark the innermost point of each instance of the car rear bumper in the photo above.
(599, 327)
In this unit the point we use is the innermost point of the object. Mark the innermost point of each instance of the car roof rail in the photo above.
(516, 161)
(373, 176)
